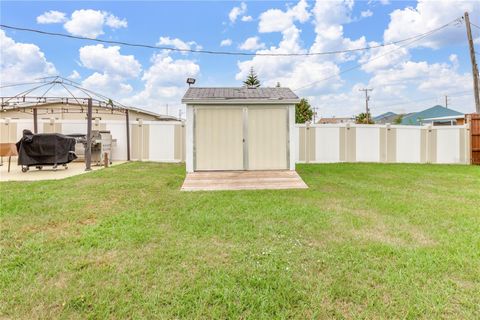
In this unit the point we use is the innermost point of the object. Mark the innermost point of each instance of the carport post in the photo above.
(35, 121)
(127, 120)
(88, 147)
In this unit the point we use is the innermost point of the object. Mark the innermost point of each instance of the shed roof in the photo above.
(278, 94)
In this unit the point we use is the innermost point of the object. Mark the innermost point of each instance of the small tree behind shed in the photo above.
(303, 111)
(252, 79)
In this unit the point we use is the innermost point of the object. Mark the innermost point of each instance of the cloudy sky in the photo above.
(407, 76)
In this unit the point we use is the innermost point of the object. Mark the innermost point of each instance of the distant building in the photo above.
(334, 120)
(436, 115)
(447, 121)
(387, 117)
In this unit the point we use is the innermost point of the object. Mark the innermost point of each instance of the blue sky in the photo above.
(402, 81)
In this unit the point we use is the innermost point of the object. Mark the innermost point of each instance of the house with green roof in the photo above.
(428, 115)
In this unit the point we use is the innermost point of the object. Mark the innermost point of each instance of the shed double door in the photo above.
(238, 138)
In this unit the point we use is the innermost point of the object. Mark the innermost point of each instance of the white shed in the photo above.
(240, 129)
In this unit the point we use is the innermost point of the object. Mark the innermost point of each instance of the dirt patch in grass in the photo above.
(394, 231)
(56, 229)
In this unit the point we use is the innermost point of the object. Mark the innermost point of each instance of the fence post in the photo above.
(347, 141)
(468, 152)
(387, 130)
(307, 142)
(88, 147)
(127, 124)
(35, 120)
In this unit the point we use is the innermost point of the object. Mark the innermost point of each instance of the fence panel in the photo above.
(382, 143)
(409, 145)
(448, 145)
(367, 144)
(327, 144)
(161, 141)
(475, 138)
(164, 141)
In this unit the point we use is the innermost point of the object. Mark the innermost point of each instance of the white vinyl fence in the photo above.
(164, 141)
(383, 143)
(150, 140)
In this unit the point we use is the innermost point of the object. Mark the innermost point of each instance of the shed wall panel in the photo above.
(267, 138)
(218, 140)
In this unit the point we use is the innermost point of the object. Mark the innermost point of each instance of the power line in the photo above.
(473, 24)
(358, 65)
(232, 53)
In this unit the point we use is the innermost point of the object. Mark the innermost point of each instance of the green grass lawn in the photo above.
(364, 241)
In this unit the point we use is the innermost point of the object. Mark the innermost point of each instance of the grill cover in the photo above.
(45, 149)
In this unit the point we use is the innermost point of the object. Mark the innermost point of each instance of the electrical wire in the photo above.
(473, 24)
(232, 53)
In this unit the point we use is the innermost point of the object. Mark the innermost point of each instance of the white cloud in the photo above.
(112, 70)
(252, 43)
(74, 75)
(366, 13)
(237, 11)
(247, 18)
(389, 69)
(382, 2)
(383, 58)
(299, 72)
(90, 23)
(22, 62)
(114, 22)
(293, 72)
(276, 20)
(429, 15)
(179, 44)
(454, 60)
(107, 84)
(329, 19)
(411, 81)
(164, 83)
(109, 60)
(226, 43)
(51, 16)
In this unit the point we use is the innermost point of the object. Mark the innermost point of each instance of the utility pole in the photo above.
(315, 114)
(474, 63)
(446, 101)
(367, 98)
